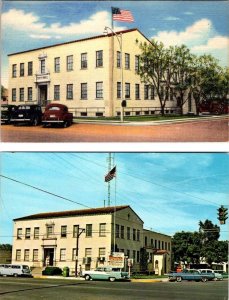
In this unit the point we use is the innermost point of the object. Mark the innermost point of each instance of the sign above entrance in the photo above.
(42, 78)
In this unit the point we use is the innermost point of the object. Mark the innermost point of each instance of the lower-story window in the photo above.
(21, 96)
(35, 254)
(14, 95)
(63, 254)
(18, 255)
(69, 91)
(30, 93)
(56, 92)
(74, 254)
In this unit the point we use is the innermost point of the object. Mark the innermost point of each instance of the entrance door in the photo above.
(43, 94)
(48, 256)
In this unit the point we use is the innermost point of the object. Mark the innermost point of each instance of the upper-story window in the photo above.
(63, 233)
(49, 230)
(27, 233)
(134, 234)
(102, 229)
(145, 240)
(127, 60)
(122, 232)
(99, 58)
(19, 233)
(138, 235)
(14, 70)
(119, 59)
(57, 64)
(22, 69)
(30, 68)
(136, 63)
(117, 231)
(69, 62)
(128, 233)
(99, 90)
(75, 230)
(42, 66)
(83, 60)
(88, 230)
(36, 233)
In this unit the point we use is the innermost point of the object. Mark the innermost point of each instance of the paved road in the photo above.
(205, 130)
(33, 289)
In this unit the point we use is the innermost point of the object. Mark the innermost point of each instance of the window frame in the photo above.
(69, 62)
(99, 90)
(69, 92)
(99, 58)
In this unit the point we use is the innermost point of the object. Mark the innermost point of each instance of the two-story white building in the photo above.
(90, 236)
(87, 75)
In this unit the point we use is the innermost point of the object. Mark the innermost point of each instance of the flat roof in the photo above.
(80, 40)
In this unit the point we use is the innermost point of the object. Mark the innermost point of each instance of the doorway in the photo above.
(48, 257)
(43, 92)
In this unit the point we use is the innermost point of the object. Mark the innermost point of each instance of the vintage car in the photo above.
(214, 107)
(195, 275)
(7, 112)
(212, 274)
(27, 114)
(56, 113)
(105, 273)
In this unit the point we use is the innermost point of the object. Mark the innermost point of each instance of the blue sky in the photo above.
(170, 191)
(202, 25)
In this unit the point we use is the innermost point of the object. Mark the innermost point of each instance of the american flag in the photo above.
(122, 15)
(110, 175)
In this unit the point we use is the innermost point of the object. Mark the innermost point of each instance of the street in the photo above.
(203, 130)
(20, 288)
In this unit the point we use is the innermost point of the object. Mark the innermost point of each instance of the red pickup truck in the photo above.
(56, 113)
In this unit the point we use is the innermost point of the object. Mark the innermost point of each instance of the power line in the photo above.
(44, 191)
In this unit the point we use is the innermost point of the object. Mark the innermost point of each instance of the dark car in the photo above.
(27, 113)
(58, 114)
(215, 107)
(7, 112)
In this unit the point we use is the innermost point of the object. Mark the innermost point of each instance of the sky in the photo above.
(201, 25)
(170, 192)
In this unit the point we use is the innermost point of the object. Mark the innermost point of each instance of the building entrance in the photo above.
(48, 256)
(43, 94)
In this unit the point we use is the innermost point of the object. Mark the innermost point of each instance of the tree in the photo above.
(5, 247)
(208, 231)
(156, 69)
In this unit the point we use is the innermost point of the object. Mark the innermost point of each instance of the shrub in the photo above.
(52, 271)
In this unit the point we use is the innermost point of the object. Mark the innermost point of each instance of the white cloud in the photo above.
(30, 23)
(171, 18)
(217, 42)
(188, 13)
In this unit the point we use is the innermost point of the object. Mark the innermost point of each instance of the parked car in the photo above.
(7, 112)
(27, 113)
(15, 270)
(106, 273)
(212, 274)
(188, 275)
(56, 113)
(214, 107)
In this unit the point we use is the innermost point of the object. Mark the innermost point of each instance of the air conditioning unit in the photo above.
(86, 260)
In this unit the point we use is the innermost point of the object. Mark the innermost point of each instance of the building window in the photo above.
(127, 60)
(75, 230)
(70, 63)
(84, 91)
(62, 254)
(56, 92)
(162, 245)
(138, 235)
(119, 90)
(63, 233)
(88, 230)
(21, 94)
(122, 232)
(168, 246)
(27, 233)
(151, 243)
(42, 65)
(155, 244)
(127, 90)
(50, 231)
(134, 234)
(159, 244)
(26, 255)
(69, 91)
(119, 59)
(102, 229)
(19, 233)
(99, 58)
(88, 252)
(35, 254)
(136, 63)
(14, 71)
(30, 68)
(137, 91)
(14, 95)
(22, 69)
(138, 256)
(18, 255)
(74, 254)
(30, 93)
(145, 240)
(117, 233)
(83, 60)
(165, 245)
(149, 92)
(128, 233)
(36, 233)
(134, 255)
(102, 252)
(57, 64)
(99, 90)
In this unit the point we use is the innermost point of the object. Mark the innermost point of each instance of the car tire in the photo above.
(179, 279)
(204, 279)
(112, 279)
(87, 277)
(15, 275)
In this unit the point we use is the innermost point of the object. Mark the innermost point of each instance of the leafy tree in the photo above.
(5, 247)
(208, 231)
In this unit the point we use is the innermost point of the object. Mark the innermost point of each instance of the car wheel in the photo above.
(112, 279)
(15, 275)
(179, 279)
(204, 279)
(87, 277)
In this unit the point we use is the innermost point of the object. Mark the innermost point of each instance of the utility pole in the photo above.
(79, 232)
(109, 159)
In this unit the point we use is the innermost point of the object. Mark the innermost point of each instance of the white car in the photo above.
(218, 276)
(106, 273)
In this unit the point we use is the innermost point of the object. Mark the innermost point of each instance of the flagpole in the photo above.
(112, 22)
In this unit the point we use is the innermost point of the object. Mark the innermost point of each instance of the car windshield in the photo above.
(54, 108)
(25, 267)
(24, 107)
(4, 108)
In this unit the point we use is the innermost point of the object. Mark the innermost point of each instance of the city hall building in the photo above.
(87, 75)
(90, 236)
